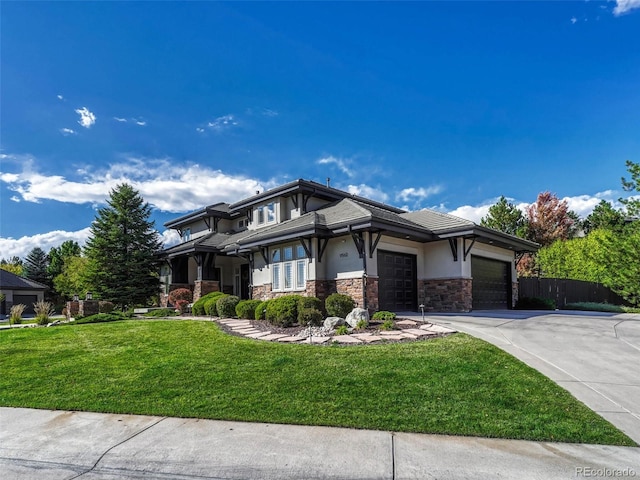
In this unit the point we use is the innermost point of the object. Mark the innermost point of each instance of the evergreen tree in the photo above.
(35, 266)
(122, 250)
(632, 204)
(604, 216)
(506, 217)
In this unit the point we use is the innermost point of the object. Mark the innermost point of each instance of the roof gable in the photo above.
(11, 281)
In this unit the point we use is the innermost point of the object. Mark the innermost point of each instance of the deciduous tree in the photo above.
(122, 249)
(604, 216)
(548, 219)
(13, 265)
(632, 204)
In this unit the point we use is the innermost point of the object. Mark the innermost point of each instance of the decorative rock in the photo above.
(356, 315)
(332, 322)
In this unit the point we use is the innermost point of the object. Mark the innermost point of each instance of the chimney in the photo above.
(328, 182)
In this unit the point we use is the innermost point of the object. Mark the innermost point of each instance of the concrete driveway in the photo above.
(595, 356)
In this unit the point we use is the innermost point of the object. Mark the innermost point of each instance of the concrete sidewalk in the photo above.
(44, 444)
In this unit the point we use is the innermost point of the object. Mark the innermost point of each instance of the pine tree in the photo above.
(122, 249)
(35, 266)
(506, 217)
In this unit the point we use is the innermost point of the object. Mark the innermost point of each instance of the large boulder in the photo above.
(356, 315)
(332, 322)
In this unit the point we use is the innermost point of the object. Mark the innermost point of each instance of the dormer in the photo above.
(211, 219)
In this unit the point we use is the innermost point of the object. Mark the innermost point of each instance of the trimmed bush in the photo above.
(283, 311)
(246, 309)
(310, 316)
(198, 307)
(310, 302)
(100, 318)
(535, 303)
(260, 311)
(226, 306)
(211, 305)
(339, 305)
(162, 312)
(383, 315)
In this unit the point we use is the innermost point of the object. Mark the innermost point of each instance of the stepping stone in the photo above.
(235, 323)
(406, 322)
(408, 335)
(419, 332)
(273, 336)
(426, 326)
(259, 334)
(393, 337)
(441, 329)
(245, 331)
(316, 340)
(345, 339)
(385, 333)
(289, 339)
(367, 337)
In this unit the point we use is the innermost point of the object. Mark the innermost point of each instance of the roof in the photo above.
(220, 209)
(11, 281)
(437, 222)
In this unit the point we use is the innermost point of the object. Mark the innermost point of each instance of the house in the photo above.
(311, 239)
(17, 290)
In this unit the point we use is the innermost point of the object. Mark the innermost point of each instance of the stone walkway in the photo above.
(412, 330)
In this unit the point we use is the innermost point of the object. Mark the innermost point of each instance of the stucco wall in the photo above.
(341, 259)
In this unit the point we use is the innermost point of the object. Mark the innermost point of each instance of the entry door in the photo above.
(397, 281)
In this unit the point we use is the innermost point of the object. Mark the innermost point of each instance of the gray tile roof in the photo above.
(437, 222)
(11, 281)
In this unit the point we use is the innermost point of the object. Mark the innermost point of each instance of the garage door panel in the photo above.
(491, 288)
(27, 300)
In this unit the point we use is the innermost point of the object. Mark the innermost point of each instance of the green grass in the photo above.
(455, 385)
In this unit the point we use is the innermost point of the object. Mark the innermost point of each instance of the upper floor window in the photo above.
(186, 234)
(267, 213)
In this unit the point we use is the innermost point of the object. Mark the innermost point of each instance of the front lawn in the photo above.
(455, 385)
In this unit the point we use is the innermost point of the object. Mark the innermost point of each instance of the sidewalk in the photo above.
(44, 445)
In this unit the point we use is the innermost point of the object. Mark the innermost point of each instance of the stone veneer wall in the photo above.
(202, 287)
(445, 295)
(514, 294)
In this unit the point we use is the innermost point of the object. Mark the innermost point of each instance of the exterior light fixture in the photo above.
(75, 297)
(89, 296)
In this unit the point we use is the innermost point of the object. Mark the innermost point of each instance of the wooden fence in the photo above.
(564, 291)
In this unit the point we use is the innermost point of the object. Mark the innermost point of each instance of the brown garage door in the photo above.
(491, 287)
(397, 281)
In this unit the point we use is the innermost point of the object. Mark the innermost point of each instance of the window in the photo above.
(242, 223)
(289, 268)
(186, 234)
(267, 213)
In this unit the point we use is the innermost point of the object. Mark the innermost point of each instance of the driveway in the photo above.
(595, 356)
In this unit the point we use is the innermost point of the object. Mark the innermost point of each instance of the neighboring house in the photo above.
(307, 238)
(18, 290)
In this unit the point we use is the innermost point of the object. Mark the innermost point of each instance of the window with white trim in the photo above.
(289, 268)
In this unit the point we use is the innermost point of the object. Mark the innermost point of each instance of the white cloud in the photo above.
(22, 246)
(338, 162)
(119, 119)
(418, 193)
(87, 118)
(366, 191)
(222, 123)
(625, 6)
(60, 97)
(200, 130)
(162, 182)
(574, 20)
(67, 131)
(170, 237)
(142, 123)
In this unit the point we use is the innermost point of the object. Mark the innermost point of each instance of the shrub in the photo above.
(339, 305)
(15, 315)
(535, 303)
(43, 311)
(283, 311)
(247, 308)
(384, 315)
(260, 312)
(387, 325)
(161, 312)
(311, 302)
(198, 307)
(362, 324)
(310, 316)
(210, 305)
(342, 330)
(180, 298)
(105, 307)
(226, 306)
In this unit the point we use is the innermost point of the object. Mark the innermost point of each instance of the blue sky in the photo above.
(443, 105)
